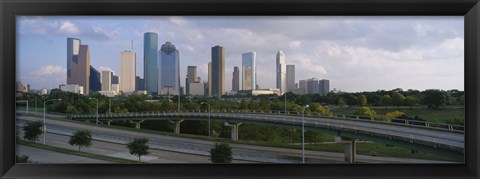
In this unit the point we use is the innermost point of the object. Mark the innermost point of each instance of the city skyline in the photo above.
(423, 47)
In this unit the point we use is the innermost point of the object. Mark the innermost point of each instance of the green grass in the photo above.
(78, 153)
(431, 115)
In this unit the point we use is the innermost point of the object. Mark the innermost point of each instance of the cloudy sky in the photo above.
(354, 53)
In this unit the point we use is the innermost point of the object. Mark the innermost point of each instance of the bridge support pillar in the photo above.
(177, 125)
(137, 123)
(234, 127)
(108, 122)
(350, 148)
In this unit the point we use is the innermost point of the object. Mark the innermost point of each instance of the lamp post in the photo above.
(285, 92)
(96, 123)
(44, 124)
(303, 133)
(208, 117)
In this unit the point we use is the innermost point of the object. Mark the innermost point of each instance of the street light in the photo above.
(44, 124)
(285, 92)
(97, 110)
(303, 133)
(208, 117)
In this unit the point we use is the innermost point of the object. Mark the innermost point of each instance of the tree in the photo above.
(365, 111)
(317, 107)
(397, 99)
(33, 130)
(341, 102)
(81, 138)
(22, 159)
(435, 98)
(221, 153)
(385, 100)
(410, 101)
(362, 100)
(138, 147)
(243, 105)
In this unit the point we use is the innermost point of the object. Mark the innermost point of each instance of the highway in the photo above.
(183, 150)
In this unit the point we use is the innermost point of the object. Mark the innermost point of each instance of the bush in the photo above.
(365, 111)
(221, 153)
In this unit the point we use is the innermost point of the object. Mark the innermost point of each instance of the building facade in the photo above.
(127, 71)
(281, 70)
(78, 64)
(191, 78)
(72, 88)
(95, 80)
(140, 84)
(218, 71)
(73, 47)
(107, 80)
(312, 86)
(169, 59)
(150, 62)
(290, 77)
(324, 86)
(249, 70)
(236, 79)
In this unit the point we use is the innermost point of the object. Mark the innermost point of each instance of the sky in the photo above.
(356, 53)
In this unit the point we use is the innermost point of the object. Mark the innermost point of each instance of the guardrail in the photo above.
(408, 122)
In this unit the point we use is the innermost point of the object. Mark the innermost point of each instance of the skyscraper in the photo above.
(281, 71)
(236, 79)
(95, 84)
(191, 78)
(312, 86)
(324, 86)
(290, 77)
(150, 66)
(249, 70)
(218, 71)
(139, 84)
(127, 71)
(169, 60)
(80, 69)
(107, 80)
(209, 78)
(73, 47)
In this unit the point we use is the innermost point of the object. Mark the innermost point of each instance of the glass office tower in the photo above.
(150, 66)
(169, 60)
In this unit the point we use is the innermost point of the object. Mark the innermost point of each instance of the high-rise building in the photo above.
(281, 71)
(95, 81)
(115, 79)
(236, 79)
(249, 71)
(78, 64)
(73, 47)
(218, 71)
(209, 78)
(169, 60)
(73, 88)
(312, 86)
(139, 84)
(107, 80)
(290, 77)
(191, 78)
(127, 71)
(324, 86)
(303, 85)
(23, 87)
(150, 62)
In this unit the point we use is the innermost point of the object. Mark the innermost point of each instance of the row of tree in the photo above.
(220, 153)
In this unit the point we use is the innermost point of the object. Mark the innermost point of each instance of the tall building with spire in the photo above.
(218, 71)
(169, 60)
(150, 66)
(249, 70)
(281, 70)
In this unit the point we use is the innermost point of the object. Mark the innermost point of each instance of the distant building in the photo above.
(303, 85)
(116, 88)
(281, 71)
(72, 88)
(108, 93)
(115, 79)
(209, 79)
(150, 62)
(299, 91)
(169, 66)
(127, 71)
(197, 89)
(191, 78)
(290, 77)
(260, 92)
(312, 86)
(23, 87)
(324, 86)
(43, 91)
(205, 88)
(168, 90)
(218, 71)
(249, 71)
(107, 80)
(95, 81)
(139, 84)
(78, 64)
(236, 79)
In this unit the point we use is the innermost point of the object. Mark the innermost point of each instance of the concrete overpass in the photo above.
(435, 138)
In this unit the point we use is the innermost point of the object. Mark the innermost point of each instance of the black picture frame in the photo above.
(470, 9)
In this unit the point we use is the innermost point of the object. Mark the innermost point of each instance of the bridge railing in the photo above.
(166, 113)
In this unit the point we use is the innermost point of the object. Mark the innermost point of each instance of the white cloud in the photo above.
(50, 70)
(69, 28)
(295, 44)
